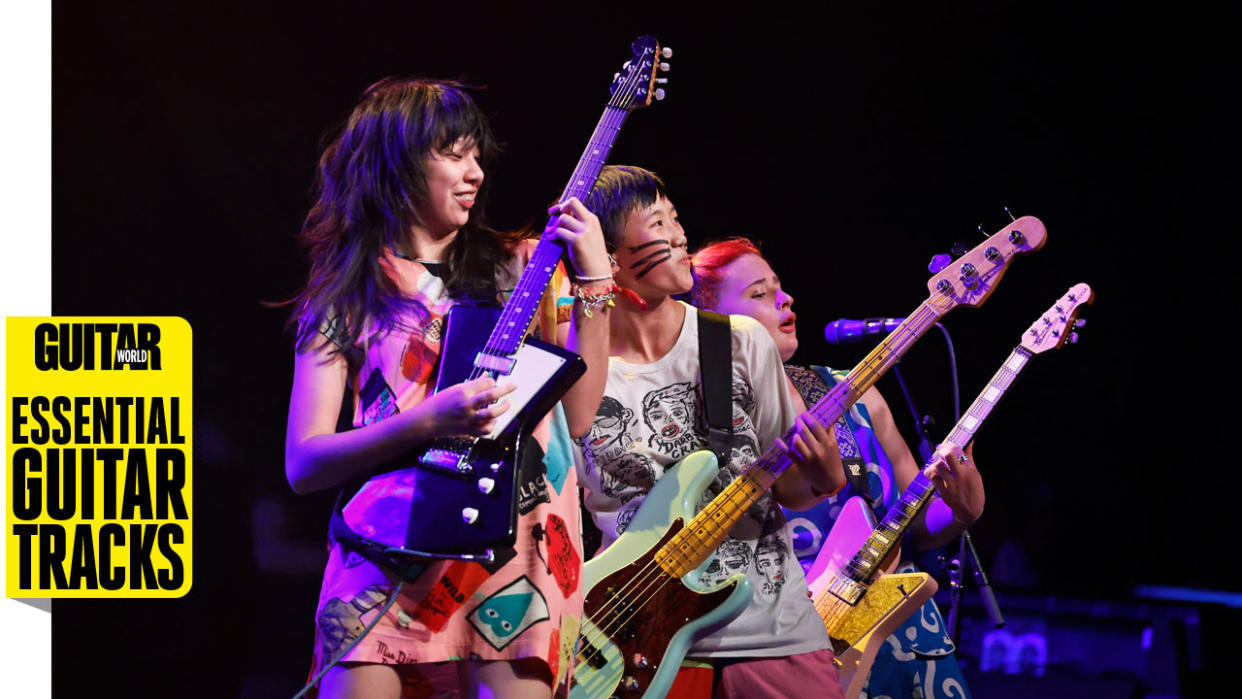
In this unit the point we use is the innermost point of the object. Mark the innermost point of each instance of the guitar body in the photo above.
(858, 631)
(633, 646)
(470, 487)
(891, 599)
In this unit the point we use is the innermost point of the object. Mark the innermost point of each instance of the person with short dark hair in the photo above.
(777, 646)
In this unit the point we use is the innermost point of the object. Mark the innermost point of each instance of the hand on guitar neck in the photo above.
(575, 227)
(960, 496)
(817, 469)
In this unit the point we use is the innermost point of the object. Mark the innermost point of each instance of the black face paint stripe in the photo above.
(650, 257)
(653, 265)
(649, 244)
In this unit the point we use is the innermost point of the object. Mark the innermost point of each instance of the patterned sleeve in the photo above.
(758, 360)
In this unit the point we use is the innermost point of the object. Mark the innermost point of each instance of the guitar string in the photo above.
(644, 576)
(612, 119)
(919, 492)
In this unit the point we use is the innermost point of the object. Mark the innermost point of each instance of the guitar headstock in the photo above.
(1055, 327)
(970, 279)
(635, 85)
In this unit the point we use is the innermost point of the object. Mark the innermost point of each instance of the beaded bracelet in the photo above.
(603, 277)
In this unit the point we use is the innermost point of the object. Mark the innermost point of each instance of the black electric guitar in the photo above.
(468, 488)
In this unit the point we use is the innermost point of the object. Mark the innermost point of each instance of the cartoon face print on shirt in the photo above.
(733, 556)
(627, 477)
(671, 415)
(743, 404)
(770, 556)
(609, 436)
(765, 511)
(743, 450)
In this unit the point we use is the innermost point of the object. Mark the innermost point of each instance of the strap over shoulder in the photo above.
(716, 368)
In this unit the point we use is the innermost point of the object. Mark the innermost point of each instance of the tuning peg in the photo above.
(938, 263)
(666, 52)
(1011, 218)
(1079, 322)
(664, 67)
(659, 94)
(616, 76)
(1073, 337)
(625, 65)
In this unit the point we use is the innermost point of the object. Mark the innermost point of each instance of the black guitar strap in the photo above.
(716, 372)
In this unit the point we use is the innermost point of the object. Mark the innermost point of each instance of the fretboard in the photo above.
(887, 534)
(519, 311)
(702, 535)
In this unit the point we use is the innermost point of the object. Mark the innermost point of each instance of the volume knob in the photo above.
(469, 515)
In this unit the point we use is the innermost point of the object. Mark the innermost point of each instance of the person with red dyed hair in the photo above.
(732, 276)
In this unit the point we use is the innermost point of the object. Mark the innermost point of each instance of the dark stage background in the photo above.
(854, 143)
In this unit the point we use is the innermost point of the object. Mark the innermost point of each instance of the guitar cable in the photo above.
(335, 661)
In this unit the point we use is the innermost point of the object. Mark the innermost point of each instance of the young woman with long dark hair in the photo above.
(396, 237)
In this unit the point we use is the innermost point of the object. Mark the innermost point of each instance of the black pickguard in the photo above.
(437, 523)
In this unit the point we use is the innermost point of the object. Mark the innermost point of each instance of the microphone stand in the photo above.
(957, 565)
(956, 569)
(920, 423)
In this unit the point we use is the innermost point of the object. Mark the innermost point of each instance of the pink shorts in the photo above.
(789, 676)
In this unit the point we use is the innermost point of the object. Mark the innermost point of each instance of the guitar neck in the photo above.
(887, 534)
(690, 547)
(519, 312)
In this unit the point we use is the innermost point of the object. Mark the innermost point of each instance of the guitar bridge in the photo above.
(449, 456)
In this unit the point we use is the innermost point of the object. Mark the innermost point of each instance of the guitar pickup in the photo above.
(591, 655)
(490, 362)
(846, 589)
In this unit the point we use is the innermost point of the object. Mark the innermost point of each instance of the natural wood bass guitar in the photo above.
(644, 606)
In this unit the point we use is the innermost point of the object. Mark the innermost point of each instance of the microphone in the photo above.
(845, 331)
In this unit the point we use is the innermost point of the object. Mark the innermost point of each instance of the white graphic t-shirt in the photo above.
(651, 417)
